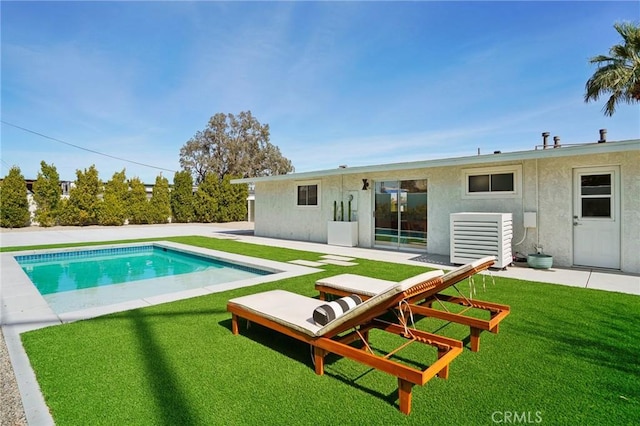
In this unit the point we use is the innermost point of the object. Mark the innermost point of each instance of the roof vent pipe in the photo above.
(556, 141)
(603, 136)
(545, 136)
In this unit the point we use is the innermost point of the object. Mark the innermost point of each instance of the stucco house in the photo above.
(578, 203)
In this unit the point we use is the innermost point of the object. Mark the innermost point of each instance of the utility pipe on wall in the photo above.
(537, 206)
(525, 228)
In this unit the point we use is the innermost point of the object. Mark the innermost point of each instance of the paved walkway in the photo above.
(36, 410)
(586, 278)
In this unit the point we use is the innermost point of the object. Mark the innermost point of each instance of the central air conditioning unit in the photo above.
(476, 235)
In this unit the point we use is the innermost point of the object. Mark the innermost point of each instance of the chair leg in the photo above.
(444, 373)
(318, 360)
(475, 339)
(404, 394)
(234, 324)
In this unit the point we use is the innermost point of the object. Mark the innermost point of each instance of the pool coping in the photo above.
(22, 307)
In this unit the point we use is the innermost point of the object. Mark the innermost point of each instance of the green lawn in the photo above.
(563, 356)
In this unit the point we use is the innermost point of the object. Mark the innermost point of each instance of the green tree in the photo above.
(14, 203)
(160, 203)
(233, 145)
(67, 213)
(138, 205)
(83, 204)
(47, 194)
(618, 73)
(182, 197)
(205, 201)
(113, 209)
(232, 201)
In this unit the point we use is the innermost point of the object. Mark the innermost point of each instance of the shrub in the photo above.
(182, 197)
(46, 194)
(232, 201)
(14, 204)
(160, 204)
(205, 202)
(113, 209)
(84, 204)
(137, 204)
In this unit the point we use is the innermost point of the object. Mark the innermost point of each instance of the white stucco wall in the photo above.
(546, 188)
(555, 210)
(278, 216)
(445, 196)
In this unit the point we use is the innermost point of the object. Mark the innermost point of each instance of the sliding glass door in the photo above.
(401, 214)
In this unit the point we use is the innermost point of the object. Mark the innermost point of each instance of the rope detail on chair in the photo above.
(363, 340)
(444, 307)
(313, 359)
(402, 319)
(421, 287)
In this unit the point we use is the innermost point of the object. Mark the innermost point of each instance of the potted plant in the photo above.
(342, 231)
(539, 260)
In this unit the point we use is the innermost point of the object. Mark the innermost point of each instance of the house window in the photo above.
(308, 195)
(498, 182)
(492, 182)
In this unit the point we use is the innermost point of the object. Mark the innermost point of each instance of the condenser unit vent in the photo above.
(476, 235)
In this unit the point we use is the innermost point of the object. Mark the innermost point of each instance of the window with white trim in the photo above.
(307, 194)
(493, 182)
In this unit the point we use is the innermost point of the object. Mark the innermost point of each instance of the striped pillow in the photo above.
(326, 313)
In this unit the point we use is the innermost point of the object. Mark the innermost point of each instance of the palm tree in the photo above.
(619, 73)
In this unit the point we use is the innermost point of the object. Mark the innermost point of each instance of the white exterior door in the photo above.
(596, 217)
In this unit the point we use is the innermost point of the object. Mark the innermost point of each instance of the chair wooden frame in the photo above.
(422, 304)
(339, 341)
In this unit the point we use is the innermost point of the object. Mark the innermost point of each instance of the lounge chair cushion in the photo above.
(332, 310)
(454, 273)
(369, 287)
(295, 311)
(392, 291)
(292, 310)
(359, 284)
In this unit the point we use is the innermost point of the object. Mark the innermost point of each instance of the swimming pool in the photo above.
(61, 302)
(76, 270)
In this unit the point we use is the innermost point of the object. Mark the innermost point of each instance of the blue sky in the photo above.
(356, 83)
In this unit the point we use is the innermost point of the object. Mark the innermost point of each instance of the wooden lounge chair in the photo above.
(292, 314)
(422, 304)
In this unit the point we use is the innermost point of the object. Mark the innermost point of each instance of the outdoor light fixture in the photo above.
(365, 184)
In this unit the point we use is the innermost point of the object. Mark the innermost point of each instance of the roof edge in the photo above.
(563, 151)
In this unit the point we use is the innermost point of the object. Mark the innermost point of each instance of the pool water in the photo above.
(60, 272)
